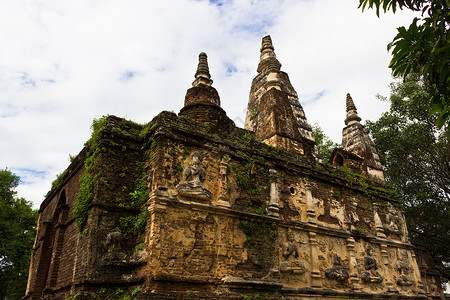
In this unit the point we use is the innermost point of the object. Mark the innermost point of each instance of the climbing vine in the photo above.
(88, 179)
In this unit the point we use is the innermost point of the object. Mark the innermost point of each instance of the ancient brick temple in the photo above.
(190, 206)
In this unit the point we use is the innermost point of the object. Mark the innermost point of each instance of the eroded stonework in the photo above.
(189, 206)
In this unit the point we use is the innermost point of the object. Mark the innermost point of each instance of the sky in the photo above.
(64, 63)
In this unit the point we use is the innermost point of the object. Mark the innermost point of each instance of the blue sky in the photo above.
(63, 63)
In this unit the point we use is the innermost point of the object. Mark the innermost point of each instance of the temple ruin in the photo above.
(189, 206)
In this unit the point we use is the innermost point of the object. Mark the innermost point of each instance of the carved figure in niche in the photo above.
(337, 272)
(370, 264)
(115, 255)
(352, 217)
(392, 224)
(403, 267)
(195, 175)
(290, 254)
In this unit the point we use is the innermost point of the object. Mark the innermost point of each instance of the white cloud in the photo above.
(63, 63)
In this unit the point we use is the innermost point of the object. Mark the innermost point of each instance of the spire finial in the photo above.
(268, 59)
(202, 75)
(352, 113)
(350, 104)
(266, 43)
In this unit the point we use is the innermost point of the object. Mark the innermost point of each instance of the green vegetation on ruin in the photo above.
(107, 129)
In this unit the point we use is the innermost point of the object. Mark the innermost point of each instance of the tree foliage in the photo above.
(17, 232)
(323, 142)
(416, 154)
(423, 48)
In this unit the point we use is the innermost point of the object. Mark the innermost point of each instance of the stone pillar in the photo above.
(158, 205)
(354, 279)
(316, 279)
(273, 207)
(224, 200)
(378, 223)
(310, 207)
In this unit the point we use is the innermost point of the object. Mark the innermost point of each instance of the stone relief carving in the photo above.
(403, 267)
(194, 172)
(370, 265)
(290, 253)
(337, 272)
(115, 255)
(391, 222)
(352, 217)
(193, 187)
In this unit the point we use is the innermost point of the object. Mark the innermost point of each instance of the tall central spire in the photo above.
(274, 112)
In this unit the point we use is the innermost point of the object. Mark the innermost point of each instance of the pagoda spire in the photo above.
(274, 111)
(352, 113)
(202, 101)
(202, 75)
(356, 140)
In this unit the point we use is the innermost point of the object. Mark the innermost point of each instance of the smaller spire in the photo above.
(352, 113)
(202, 75)
(357, 141)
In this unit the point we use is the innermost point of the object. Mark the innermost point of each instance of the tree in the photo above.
(416, 154)
(423, 48)
(323, 142)
(17, 232)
